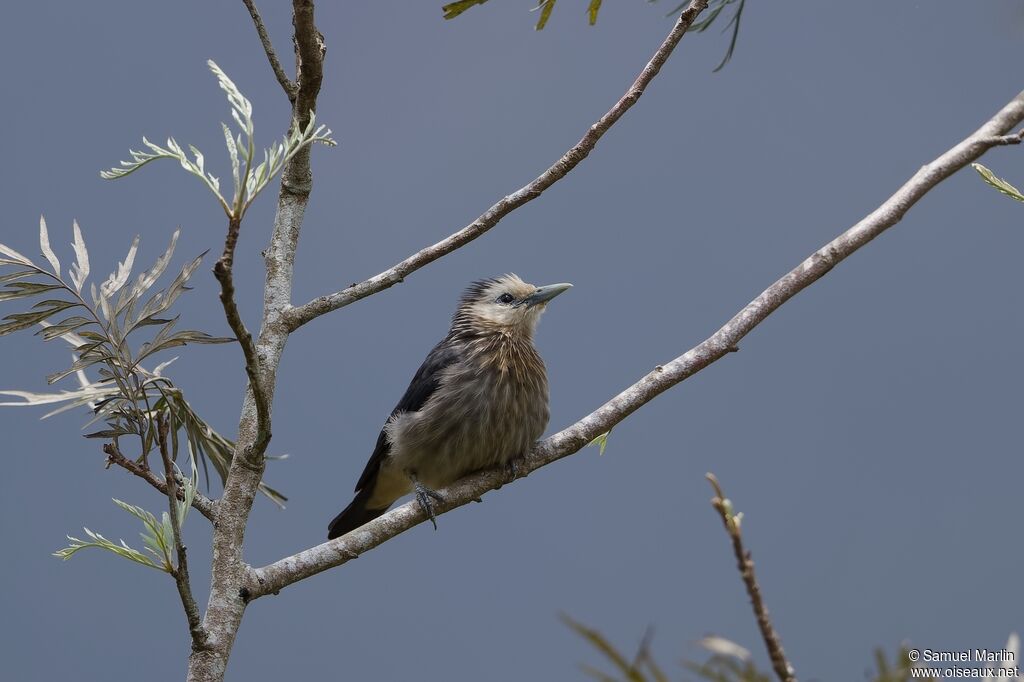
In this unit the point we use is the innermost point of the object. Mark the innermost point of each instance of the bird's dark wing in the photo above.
(423, 385)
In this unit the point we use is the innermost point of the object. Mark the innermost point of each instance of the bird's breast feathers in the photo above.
(488, 408)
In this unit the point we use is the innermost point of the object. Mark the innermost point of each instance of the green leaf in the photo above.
(181, 339)
(81, 363)
(592, 10)
(154, 535)
(23, 289)
(93, 336)
(454, 9)
(58, 329)
(20, 274)
(109, 433)
(21, 321)
(601, 441)
(545, 8)
(1000, 184)
(97, 540)
(599, 642)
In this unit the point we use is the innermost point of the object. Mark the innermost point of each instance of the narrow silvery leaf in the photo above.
(158, 268)
(124, 270)
(235, 96)
(29, 398)
(200, 160)
(44, 245)
(163, 365)
(80, 270)
(11, 253)
(241, 124)
(233, 153)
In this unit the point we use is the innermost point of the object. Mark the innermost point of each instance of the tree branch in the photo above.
(290, 89)
(310, 50)
(180, 572)
(202, 504)
(289, 570)
(745, 564)
(298, 316)
(230, 574)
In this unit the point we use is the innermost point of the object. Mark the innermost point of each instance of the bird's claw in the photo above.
(423, 497)
(513, 468)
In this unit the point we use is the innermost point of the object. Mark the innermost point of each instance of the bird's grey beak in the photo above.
(545, 294)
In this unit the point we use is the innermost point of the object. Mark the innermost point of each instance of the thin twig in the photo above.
(300, 315)
(1005, 140)
(180, 572)
(223, 271)
(290, 88)
(202, 504)
(745, 564)
(289, 570)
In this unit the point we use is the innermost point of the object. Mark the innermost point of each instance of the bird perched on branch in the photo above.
(479, 400)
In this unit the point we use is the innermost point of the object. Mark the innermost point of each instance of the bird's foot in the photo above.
(513, 469)
(423, 497)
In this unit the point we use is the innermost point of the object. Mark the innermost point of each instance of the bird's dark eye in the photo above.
(505, 299)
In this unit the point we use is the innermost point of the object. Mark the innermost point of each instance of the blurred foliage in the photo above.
(729, 662)
(1000, 184)
(102, 323)
(715, 8)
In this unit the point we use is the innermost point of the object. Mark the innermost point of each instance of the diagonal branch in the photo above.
(272, 578)
(745, 564)
(290, 88)
(201, 503)
(300, 315)
(180, 572)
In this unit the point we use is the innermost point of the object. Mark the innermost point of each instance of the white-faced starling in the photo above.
(479, 400)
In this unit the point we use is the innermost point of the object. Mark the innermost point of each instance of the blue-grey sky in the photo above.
(869, 430)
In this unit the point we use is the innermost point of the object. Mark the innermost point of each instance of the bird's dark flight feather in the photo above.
(424, 383)
(422, 386)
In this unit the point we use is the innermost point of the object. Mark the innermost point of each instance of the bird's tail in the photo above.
(354, 515)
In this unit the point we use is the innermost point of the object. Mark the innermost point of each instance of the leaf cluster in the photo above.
(103, 326)
(545, 7)
(997, 182)
(728, 662)
(157, 536)
(249, 175)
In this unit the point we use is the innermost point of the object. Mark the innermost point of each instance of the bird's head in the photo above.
(503, 304)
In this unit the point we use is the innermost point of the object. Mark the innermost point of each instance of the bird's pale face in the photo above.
(507, 304)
